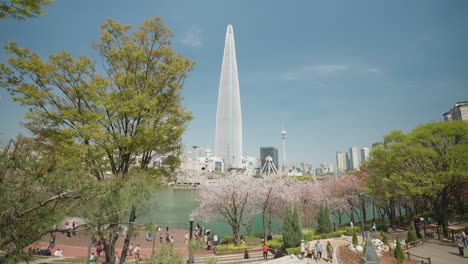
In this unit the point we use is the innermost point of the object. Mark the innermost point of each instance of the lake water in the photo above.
(173, 206)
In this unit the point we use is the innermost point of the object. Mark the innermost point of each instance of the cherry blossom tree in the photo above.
(228, 198)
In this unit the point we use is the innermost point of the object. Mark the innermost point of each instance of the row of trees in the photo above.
(424, 170)
(101, 125)
(237, 199)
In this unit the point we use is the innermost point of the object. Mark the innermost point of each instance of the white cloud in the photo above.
(327, 69)
(192, 37)
(373, 69)
(288, 76)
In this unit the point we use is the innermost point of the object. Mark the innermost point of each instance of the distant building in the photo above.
(269, 151)
(459, 111)
(349, 166)
(364, 154)
(353, 151)
(340, 162)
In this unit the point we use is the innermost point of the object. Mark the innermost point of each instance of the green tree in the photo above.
(355, 240)
(411, 233)
(36, 191)
(398, 253)
(324, 220)
(433, 162)
(113, 123)
(22, 9)
(292, 226)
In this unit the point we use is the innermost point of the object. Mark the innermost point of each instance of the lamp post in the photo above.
(191, 227)
(361, 196)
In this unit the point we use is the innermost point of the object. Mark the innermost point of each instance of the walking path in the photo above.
(440, 251)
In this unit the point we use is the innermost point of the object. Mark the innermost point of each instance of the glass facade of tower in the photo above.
(228, 142)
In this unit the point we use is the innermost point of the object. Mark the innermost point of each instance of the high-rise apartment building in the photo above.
(269, 151)
(349, 165)
(340, 162)
(364, 154)
(459, 111)
(228, 143)
(354, 157)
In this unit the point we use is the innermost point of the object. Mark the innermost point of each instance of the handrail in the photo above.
(428, 258)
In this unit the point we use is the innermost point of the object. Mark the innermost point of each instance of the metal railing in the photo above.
(424, 260)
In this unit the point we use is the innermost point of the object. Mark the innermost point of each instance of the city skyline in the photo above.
(334, 74)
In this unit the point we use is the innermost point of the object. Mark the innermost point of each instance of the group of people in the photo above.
(314, 251)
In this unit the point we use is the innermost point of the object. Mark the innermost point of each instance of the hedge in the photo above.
(382, 227)
(295, 250)
(275, 243)
(351, 230)
(228, 248)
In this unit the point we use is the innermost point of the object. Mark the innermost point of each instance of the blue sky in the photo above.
(333, 73)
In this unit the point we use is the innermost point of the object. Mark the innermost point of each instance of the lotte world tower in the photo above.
(228, 143)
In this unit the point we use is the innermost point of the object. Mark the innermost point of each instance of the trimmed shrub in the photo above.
(337, 233)
(227, 239)
(294, 250)
(276, 244)
(228, 248)
(351, 230)
(411, 233)
(399, 254)
(382, 227)
(248, 238)
(324, 236)
(384, 238)
(355, 240)
(308, 236)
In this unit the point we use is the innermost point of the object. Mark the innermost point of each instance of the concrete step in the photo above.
(255, 257)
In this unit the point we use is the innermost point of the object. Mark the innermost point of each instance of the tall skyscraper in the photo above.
(349, 166)
(364, 154)
(340, 162)
(228, 144)
(354, 157)
(459, 111)
(269, 151)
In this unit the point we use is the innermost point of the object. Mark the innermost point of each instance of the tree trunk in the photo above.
(91, 238)
(128, 236)
(109, 246)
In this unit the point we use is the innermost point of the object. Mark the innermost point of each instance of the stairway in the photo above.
(255, 257)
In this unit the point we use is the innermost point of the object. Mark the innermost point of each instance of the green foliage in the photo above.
(324, 220)
(194, 246)
(382, 227)
(294, 250)
(212, 261)
(20, 10)
(411, 233)
(37, 191)
(292, 227)
(308, 236)
(355, 240)
(101, 123)
(431, 161)
(274, 243)
(227, 239)
(229, 248)
(166, 254)
(384, 238)
(352, 230)
(398, 253)
(337, 233)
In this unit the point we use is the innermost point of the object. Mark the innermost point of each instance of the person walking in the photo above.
(329, 252)
(463, 236)
(99, 249)
(265, 251)
(460, 245)
(302, 249)
(318, 249)
(130, 249)
(310, 249)
(137, 252)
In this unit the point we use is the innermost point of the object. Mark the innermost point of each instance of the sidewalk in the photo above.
(440, 252)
